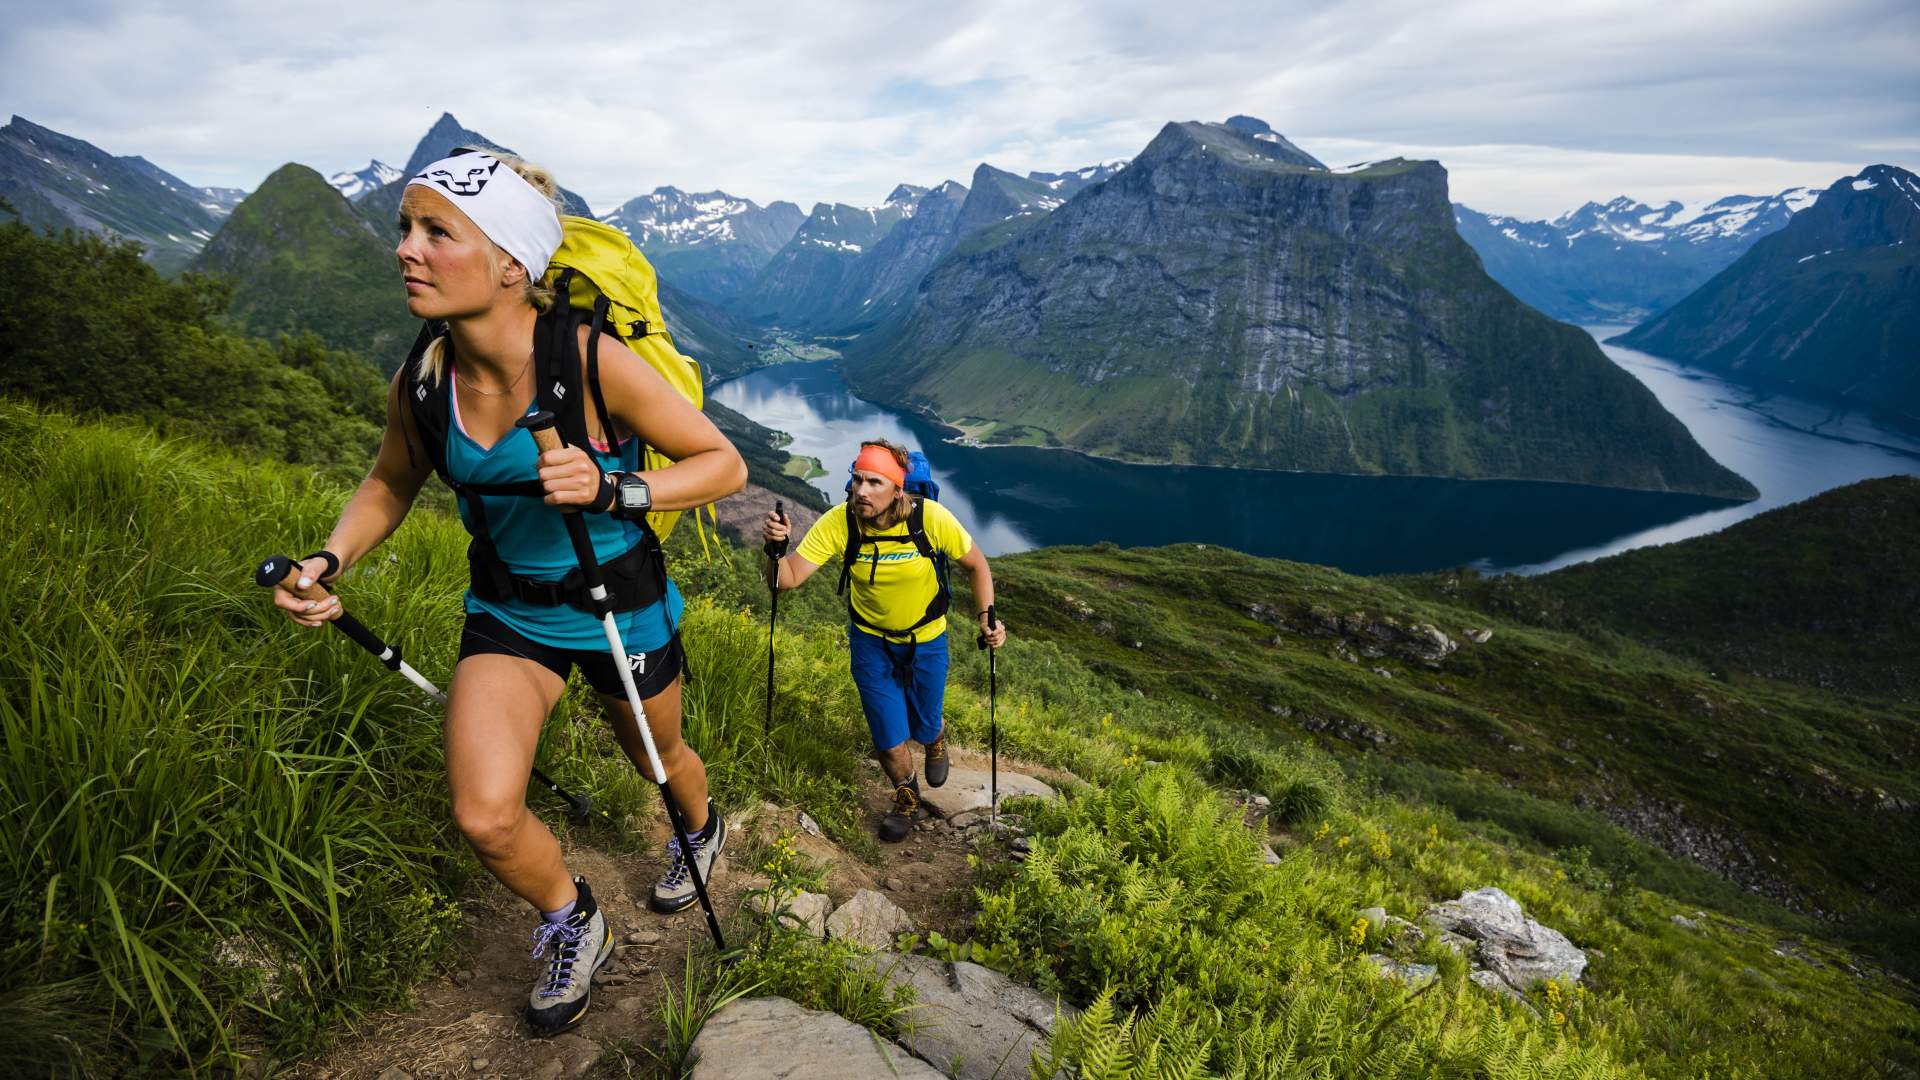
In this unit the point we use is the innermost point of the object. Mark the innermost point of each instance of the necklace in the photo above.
(496, 393)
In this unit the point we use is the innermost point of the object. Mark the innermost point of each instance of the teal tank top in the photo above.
(531, 537)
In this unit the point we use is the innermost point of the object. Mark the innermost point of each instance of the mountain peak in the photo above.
(905, 193)
(358, 182)
(1243, 140)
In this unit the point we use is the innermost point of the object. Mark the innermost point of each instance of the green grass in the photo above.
(181, 767)
(1538, 732)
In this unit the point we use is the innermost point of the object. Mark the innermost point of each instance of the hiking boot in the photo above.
(937, 760)
(674, 890)
(906, 807)
(575, 949)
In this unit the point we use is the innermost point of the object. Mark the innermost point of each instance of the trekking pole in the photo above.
(541, 424)
(279, 568)
(993, 728)
(776, 550)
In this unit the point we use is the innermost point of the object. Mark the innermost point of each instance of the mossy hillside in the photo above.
(300, 259)
(1824, 593)
(1545, 733)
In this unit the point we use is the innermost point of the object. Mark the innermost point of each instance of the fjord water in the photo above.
(1014, 498)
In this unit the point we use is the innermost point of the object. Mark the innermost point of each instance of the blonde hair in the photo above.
(538, 296)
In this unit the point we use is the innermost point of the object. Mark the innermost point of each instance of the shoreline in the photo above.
(953, 435)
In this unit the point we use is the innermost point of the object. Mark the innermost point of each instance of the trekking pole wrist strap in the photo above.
(333, 563)
(603, 500)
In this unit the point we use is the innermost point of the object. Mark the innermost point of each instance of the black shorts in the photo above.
(652, 672)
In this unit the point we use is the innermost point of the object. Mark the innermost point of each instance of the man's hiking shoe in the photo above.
(906, 806)
(937, 760)
(575, 949)
(674, 890)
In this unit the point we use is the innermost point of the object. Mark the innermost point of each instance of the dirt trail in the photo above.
(467, 1022)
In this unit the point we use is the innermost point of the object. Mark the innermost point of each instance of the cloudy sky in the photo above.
(1534, 107)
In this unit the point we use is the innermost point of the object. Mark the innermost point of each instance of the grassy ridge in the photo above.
(225, 834)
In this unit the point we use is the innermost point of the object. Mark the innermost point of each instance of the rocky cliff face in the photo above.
(56, 181)
(1829, 305)
(710, 243)
(1226, 299)
(806, 277)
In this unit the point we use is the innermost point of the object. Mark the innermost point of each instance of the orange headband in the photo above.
(878, 459)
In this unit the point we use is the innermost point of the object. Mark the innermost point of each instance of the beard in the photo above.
(886, 515)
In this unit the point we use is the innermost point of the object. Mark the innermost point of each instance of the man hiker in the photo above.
(895, 545)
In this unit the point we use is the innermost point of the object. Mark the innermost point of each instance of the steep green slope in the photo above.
(1224, 300)
(301, 260)
(1824, 592)
(1829, 305)
(1521, 729)
(185, 768)
(159, 350)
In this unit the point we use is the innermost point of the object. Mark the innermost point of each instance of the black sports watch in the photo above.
(632, 497)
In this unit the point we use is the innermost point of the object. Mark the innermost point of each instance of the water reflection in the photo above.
(1015, 498)
(1788, 447)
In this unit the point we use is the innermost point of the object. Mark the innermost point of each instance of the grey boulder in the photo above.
(775, 1039)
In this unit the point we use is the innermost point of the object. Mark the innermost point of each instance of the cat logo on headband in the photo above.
(463, 179)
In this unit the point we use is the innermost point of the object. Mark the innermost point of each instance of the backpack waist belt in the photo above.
(634, 580)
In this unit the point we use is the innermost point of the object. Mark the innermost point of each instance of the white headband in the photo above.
(499, 200)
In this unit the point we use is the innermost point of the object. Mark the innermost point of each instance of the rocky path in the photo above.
(467, 1022)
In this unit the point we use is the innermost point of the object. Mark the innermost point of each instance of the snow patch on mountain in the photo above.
(357, 182)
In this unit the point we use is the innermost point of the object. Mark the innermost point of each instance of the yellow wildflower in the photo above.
(1357, 933)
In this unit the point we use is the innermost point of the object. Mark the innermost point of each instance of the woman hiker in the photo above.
(896, 604)
(476, 234)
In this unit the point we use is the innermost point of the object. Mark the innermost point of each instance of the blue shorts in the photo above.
(901, 686)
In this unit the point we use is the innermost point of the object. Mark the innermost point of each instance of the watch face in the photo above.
(634, 494)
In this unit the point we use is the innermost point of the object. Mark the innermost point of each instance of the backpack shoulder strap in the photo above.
(852, 552)
(426, 402)
(917, 529)
(556, 348)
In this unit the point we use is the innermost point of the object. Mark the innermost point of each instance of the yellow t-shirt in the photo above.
(903, 582)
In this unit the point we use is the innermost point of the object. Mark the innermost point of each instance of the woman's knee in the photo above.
(489, 825)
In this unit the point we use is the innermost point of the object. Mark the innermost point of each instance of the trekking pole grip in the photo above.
(981, 641)
(776, 549)
(277, 569)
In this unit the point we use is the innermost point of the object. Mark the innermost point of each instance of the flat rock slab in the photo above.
(772, 1038)
(967, 789)
(971, 1022)
(869, 920)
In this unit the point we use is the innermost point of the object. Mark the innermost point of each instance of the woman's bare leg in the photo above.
(494, 714)
(686, 773)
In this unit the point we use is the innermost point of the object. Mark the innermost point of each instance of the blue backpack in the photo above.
(921, 486)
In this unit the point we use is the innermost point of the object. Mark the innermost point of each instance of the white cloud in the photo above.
(1533, 107)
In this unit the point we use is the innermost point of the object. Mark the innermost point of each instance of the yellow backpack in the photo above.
(599, 272)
